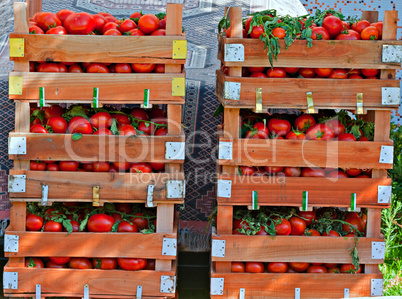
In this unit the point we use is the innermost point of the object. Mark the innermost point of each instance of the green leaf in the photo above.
(76, 136)
(67, 225)
(115, 226)
(83, 223)
(113, 127)
(161, 15)
(98, 263)
(218, 111)
(31, 263)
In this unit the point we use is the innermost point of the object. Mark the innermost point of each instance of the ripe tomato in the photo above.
(355, 77)
(37, 262)
(312, 233)
(323, 72)
(75, 225)
(54, 110)
(277, 267)
(256, 31)
(273, 169)
(319, 33)
(320, 132)
(294, 135)
(60, 260)
(160, 68)
(148, 23)
(140, 168)
(79, 124)
(126, 227)
(122, 166)
(307, 72)
(298, 226)
(339, 74)
(330, 265)
(103, 131)
(52, 226)
(238, 267)
(101, 120)
(100, 223)
(75, 68)
(46, 20)
(162, 23)
(291, 70)
(127, 25)
(161, 132)
(97, 68)
(292, 171)
(350, 35)
(247, 170)
(353, 171)
(317, 269)
(308, 216)
(254, 267)
(258, 75)
(80, 23)
(80, 263)
(33, 222)
(108, 26)
(124, 208)
(53, 265)
(143, 67)
(279, 127)
(334, 270)
(333, 25)
(38, 129)
(139, 113)
(33, 29)
(104, 263)
(259, 131)
(304, 121)
(369, 33)
(51, 67)
(299, 267)
(122, 119)
(127, 130)
(132, 264)
(136, 15)
(57, 30)
(379, 26)
(256, 69)
(247, 24)
(346, 137)
(68, 165)
(279, 32)
(147, 128)
(159, 32)
(52, 167)
(123, 68)
(354, 221)
(332, 233)
(140, 221)
(63, 14)
(58, 124)
(157, 166)
(336, 126)
(283, 228)
(347, 268)
(359, 26)
(136, 32)
(370, 72)
(100, 22)
(312, 172)
(100, 166)
(276, 72)
(337, 174)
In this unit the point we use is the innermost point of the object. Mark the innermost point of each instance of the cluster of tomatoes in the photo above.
(280, 267)
(305, 127)
(95, 67)
(129, 264)
(68, 22)
(295, 72)
(79, 217)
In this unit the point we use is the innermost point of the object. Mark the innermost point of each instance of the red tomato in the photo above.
(159, 32)
(148, 23)
(337, 174)
(46, 20)
(127, 130)
(33, 222)
(140, 168)
(322, 72)
(101, 120)
(63, 14)
(353, 171)
(75, 68)
(277, 267)
(369, 33)
(355, 77)
(143, 67)
(54, 110)
(333, 25)
(75, 225)
(348, 268)
(292, 171)
(299, 267)
(254, 267)
(79, 124)
(256, 31)
(256, 69)
(360, 26)
(312, 233)
(68, 165)
(258, 75)
(60, 260)
(162, 23)
(160, 68)
(80, 263)
(312, 172)
(110, 18)
(238, 267)
(103, 131)
(52, 226)
(100, 22)
(136, 15)
(136, 32)
(51, 67)
(147, 128)
(279, 127)
(53, 265)
(139, 113)
(346, 137)
(307, 72)
(247, 24)
(161, 132)
(320, 132)
(279, 32)
(57, 30)
(38, 129)
(157, 166)
(124, 208)
(276, 72)
(283, 228)
(332, 233)
(354, 221)
(273, 169)
(308, 216)
(339, 74)
(52, 167)
(104, 263)
(304, 121)
(80, 23)
(247, 170)
(294, 135)
(33, 29)
(379, 26)
(122, 166)
(298, 226)
(37, 262)
(126, 227)
(319, 33)
(336, 126)
(127, 25)
(100, 166)
(370, 72)
(317, 269)
(100, 223)
(108, 26)
(97, 68)
(58, 124)
(350, 35)
(259, 131)
(132, 264)
(122, 119)
(291, 70)
(123, 68)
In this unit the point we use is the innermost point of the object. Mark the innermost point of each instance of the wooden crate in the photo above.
(167, 88)
(239, 92)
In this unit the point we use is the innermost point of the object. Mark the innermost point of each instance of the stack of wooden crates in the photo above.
(28, 186)
(235, 92)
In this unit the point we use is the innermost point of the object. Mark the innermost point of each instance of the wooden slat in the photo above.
(323, 54)
(86, 244)
(291, 92)
(307, 249)
(302, 153)
(114, 88)
(282, 286)
(77, 186)
(70, 282)
(34, 6)
(322, 192)
(61, 147)
(75, 48)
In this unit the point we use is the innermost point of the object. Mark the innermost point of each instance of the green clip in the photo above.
(254, 200)
(353, 206)
(41, 97)
(146, 98)
(96, 97)
(305, 201)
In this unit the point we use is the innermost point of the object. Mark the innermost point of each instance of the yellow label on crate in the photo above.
(15, 85)
(310, 103)
(258, 100)
(95, 195)
(359, 100)
(178, 87)
(179, 49)
(17, 47)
